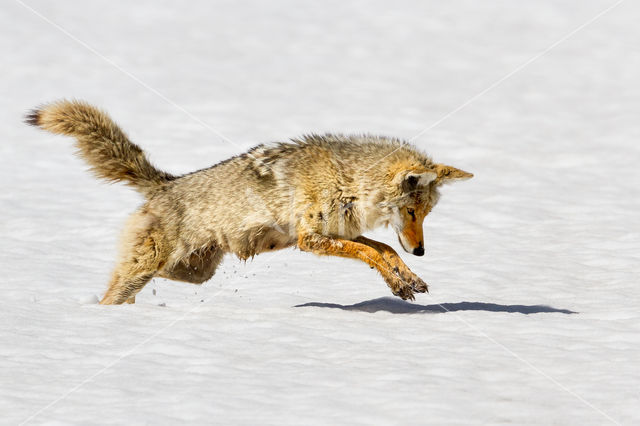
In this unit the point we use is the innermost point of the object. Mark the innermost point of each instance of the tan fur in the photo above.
(101, 143)
(321, 192)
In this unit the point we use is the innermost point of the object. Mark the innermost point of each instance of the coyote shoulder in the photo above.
(319, 192)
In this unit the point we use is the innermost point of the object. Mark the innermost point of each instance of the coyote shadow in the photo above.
(397, 306)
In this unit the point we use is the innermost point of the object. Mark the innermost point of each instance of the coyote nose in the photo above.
(419, 251)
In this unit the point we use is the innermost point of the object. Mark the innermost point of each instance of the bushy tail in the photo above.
(111, 155)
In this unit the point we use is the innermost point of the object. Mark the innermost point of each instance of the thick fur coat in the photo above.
(319, 192)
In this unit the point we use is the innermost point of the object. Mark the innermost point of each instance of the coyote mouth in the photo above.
(402, 245)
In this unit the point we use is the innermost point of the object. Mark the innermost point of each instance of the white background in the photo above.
(551, 217)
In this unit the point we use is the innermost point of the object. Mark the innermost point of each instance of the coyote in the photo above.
(319, 192)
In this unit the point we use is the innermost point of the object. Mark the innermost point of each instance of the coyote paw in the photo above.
(412, 280)
(406, 293)
(418, 285)
(400, 288)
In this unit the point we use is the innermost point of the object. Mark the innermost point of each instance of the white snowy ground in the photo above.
(534, 310)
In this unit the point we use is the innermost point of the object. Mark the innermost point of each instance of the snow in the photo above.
(533, 265)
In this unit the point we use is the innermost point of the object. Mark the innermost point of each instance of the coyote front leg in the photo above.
(393, 259)
(323, 245)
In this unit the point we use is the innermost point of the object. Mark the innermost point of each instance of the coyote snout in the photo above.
(410, 235)
(416, 250)
(319, 192)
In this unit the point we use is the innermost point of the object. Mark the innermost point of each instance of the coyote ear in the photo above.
(410, 181)
(448, 174)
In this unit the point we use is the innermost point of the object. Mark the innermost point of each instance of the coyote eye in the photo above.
(412, 212)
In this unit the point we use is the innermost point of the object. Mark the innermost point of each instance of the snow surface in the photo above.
(533, 315)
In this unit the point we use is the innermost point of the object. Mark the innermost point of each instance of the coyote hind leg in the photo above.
(124, 288)
(144, 251)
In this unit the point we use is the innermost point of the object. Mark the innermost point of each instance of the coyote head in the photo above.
(417, 193)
